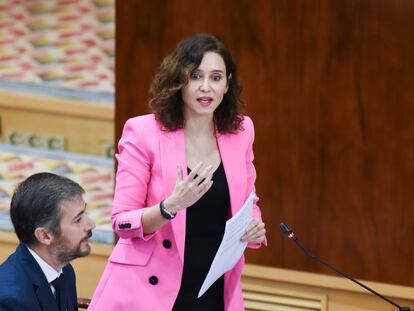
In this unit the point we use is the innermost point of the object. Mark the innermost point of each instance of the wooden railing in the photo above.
(264, 288)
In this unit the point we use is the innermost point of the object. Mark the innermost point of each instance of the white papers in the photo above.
(231, 248)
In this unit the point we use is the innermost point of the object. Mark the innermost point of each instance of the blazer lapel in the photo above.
(234, 163)
(46, 299)
(35, 274)
(71, 288)
(172, 152)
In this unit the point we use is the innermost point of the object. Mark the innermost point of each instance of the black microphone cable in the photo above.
(291, 235)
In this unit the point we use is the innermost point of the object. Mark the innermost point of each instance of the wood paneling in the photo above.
(329, 85)
(282, 289)
(84, 126)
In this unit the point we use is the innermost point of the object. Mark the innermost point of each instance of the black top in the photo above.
(205, 225)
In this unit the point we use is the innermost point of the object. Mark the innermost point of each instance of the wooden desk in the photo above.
(282, 289)
(265, 288)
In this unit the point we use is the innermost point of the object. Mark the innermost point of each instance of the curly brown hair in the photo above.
(165, 92)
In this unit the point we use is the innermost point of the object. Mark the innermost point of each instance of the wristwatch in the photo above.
(166, 213)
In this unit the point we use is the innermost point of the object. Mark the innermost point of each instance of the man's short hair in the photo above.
(37, 203)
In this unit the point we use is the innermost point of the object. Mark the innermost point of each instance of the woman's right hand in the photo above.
(190, 189)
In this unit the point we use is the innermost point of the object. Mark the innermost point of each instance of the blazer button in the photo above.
(153, 280)
(166, 243)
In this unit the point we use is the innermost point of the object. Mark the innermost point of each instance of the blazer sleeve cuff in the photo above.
(128, 225)
(257, 245)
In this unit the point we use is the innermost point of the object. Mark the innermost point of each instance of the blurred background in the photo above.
(329, 85)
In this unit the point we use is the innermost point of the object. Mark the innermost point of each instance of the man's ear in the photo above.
(43, 235)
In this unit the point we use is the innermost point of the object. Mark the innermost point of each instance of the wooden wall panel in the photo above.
(330, 87)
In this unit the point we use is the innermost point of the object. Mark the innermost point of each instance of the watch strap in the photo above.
(166, 213)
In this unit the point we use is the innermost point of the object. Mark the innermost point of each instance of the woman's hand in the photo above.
(255, 232)
(188, 190)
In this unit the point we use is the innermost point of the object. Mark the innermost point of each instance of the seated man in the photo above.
(48, 215)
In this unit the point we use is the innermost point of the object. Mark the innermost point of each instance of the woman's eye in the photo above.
(216, 78)
(195, 76)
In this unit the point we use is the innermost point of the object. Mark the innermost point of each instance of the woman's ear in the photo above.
(43, 235)
(228, 83)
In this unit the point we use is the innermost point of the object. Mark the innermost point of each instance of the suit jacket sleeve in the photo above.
(16, 291)
(251, 174)
(132, 178)
(12, 303)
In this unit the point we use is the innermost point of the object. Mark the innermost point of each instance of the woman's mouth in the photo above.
(205, 101)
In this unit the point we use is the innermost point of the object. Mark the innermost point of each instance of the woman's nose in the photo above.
(205, 85)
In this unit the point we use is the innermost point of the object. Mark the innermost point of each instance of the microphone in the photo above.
(291, 235)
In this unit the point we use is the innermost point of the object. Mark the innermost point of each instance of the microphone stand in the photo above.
(291, 235)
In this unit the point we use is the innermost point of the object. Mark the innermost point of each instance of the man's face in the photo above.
(75, 231)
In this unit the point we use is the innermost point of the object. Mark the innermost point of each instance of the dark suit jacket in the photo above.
(24, 287)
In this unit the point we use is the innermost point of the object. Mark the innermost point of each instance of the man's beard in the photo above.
(64, 254)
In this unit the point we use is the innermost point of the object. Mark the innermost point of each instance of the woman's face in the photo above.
(206, 87)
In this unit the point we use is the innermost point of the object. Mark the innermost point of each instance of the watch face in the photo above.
(169, 216)
(164, 212)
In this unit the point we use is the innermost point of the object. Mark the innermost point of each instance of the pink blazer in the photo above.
(144, 271)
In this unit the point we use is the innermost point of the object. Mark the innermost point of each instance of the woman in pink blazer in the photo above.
(182, 172)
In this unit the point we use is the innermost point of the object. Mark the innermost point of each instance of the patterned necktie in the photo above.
(60, 292)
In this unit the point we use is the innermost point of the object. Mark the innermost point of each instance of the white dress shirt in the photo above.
(50, 273)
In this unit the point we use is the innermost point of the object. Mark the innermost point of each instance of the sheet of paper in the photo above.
(231, 248)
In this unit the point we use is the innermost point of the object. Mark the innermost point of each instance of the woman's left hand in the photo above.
(255, 232)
